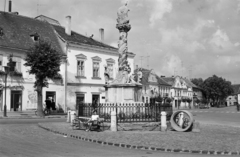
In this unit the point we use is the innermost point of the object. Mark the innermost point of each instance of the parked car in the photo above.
(203, 106)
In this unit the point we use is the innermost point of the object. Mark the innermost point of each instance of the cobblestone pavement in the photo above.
(211, 137)
(28, 140)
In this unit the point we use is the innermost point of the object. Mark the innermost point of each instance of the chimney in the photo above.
(68, 25)
(9, 6)
(101, 33)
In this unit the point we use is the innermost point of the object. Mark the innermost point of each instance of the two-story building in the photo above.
(17, 34)
(87, 60)
(181, 91)
(152, 85)
(83, 70)
(233, 99)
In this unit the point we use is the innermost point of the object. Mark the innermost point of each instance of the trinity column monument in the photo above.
(123, 88)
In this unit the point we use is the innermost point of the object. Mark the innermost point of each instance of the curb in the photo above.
(25, 117)
(122, 145)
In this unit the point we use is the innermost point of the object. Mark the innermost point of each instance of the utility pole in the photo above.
(181, 68)
(141, 60)
(4, 5)
(148, 62)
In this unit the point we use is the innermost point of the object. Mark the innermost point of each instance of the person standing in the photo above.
(53, 105)
(48, 105)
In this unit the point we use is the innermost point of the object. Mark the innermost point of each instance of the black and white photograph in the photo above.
(119, 78)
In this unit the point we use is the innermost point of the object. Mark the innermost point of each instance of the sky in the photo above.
(190, 38)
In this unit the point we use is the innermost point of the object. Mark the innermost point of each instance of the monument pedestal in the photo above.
(123, 93)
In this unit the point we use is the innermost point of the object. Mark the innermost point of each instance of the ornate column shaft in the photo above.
(123, 26)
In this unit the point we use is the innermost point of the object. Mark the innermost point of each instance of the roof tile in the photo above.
(17, 30)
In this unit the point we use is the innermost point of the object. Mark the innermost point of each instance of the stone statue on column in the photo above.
(123, 66)
(123, 88)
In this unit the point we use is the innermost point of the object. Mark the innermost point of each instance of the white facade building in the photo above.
(86, 62)
(16, 40)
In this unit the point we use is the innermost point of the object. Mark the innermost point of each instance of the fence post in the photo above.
(73, 116)
(68, 116)
(113, 121)
(163, 121)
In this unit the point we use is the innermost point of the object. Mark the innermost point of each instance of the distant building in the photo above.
(233, 99)
(182, 91)
(152, 85)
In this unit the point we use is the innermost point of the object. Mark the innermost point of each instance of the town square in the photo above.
(119, 78)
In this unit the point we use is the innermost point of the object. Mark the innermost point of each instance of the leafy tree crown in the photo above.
(44, 62)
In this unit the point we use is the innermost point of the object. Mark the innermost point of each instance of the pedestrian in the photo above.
(238, 106)
(53, 105)
(48, 104)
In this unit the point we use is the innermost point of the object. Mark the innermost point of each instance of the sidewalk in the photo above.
(29, 115)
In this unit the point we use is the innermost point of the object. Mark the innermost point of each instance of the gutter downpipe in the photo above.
(66, 77)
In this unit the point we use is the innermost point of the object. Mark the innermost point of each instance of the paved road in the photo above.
(220, 116)
(23, 138)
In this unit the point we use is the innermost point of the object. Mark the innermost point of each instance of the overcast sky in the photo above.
(196, 38)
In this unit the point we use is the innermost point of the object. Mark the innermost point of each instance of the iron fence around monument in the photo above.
(126, 112)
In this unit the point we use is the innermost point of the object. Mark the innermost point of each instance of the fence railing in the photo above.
(126, 112)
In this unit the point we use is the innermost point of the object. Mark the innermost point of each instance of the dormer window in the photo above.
(1, 31)
(35, 37)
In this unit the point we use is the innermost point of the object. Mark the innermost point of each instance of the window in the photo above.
(110, 70)
(146, 99)
(17, 64)
(95, 69)
(80, 68)
(35, 37)
(110, 66)
(81, 65)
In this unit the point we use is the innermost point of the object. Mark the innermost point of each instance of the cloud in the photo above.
(220, 42)
(160, 7)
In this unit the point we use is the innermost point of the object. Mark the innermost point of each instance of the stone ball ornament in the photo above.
(182, 120)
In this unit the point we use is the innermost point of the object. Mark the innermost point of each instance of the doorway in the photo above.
(51, 95)
(95, 98)
(80, 99)
(16, 100)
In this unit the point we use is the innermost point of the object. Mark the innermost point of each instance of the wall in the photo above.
(26, 83)
(87, 86)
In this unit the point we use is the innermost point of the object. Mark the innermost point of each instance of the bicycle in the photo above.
(46, 111)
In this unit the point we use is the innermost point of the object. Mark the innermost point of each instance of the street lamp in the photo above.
(6, 68)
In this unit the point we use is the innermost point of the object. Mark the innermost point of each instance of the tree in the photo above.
(217, 89)
(197, 81)
(44, 62)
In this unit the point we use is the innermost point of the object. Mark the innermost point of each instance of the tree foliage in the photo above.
(215, 89)
(44, 62)
(197, 81)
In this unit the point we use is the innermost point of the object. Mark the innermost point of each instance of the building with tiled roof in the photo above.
(17, 31)
(235, 97)
(17, 35)
(89, 60)
(152, 85)
(183, 91)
